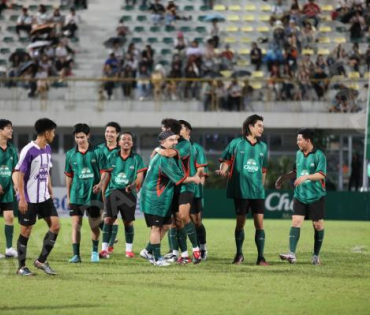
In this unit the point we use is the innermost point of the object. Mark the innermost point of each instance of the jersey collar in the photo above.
(116, 147)
(252, 144)
(314, 149)
(130, 155)
(89, 148)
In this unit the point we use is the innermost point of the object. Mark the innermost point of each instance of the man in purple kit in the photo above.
(35, 196)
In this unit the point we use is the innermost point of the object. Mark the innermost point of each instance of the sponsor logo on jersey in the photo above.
(86, 173)
(43, 173)
(251, 166)
(93, 161)
(132, 167)
(261, 154)
(312, 165)
(121, 178)
(305, 172)
(5, 171)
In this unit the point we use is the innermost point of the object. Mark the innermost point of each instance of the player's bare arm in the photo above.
(224, 167)
(68, 185)
(288, 176)
(22, 205)
(50, 187)
(313, 177)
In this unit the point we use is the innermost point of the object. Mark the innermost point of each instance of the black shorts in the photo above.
(6, 206)
(119, 201)
(91, 211)
(43, 210)
(242, 206)
(314, 211)
(155, 220)
(196, 206)
(181, 199)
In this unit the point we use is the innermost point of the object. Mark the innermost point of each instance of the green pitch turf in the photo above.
(341, 285)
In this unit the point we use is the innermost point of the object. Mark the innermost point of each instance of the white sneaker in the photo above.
(161, 262)
(316, 260)
(145, 254)
(11, 253)
(171, 259)
(289, 257)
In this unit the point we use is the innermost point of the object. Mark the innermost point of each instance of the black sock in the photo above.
(101, 225)
(49, 241)
(22, 250)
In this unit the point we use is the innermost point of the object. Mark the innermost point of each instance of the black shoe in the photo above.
(24, 271)
(239, 258)
(203, 254)
(261, 261)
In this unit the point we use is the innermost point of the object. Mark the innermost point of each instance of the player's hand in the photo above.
(196, 179)
(221, 173)
(22, 206)
(279, 183)
(1, 191)
(300, 180)
(97, 189)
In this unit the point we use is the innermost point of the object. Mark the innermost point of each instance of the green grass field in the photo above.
(341, 285)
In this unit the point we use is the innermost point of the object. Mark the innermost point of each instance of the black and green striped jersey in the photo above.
(8, 161)
(315, 162)
(200, 161)
(187, 156)
(247, 163)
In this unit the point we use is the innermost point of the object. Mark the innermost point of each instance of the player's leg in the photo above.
(110, 216)
(317, 211)
(241, 210)
(173, 240)
(258, 206)
(9, 230)
(113, 235)
(76, 215)
(196, 216)
(94, 216)
(25, 232)
(129, 236)
(128, 216)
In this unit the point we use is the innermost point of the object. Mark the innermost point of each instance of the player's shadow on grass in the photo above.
(46, 307)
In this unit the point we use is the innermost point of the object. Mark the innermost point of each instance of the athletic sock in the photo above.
(191, 232)
(95, 245)
(22, 250)
(172, 239)
(9, 235)
(259, 238)
(156, 250)
(239, 240)
(201, 234)
(149, 248)
(113, 235)
(294, 234)
(76, 249)
(129, 234)
(107, 230)
(101, 225)
(319, 238)
(181, 236)
(49, 241)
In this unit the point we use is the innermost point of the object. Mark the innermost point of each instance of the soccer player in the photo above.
(245, 159)
(126, 176)
(183, 196)
(197, 204)
(35, 196)
(309, 193)
(85, 171)
(164, 173)
(112, 132)
(8, 162)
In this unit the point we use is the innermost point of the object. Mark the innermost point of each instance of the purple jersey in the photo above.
(35, 163)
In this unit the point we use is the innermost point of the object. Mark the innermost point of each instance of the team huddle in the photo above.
(107, 180)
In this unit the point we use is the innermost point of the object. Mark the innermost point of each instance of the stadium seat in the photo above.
(166, 51)
(152, 40)
(226, 73)
(13, 18)
(231, 29)
(137, 40)
(307, 52)
(201, 18)
(242, 63)
(246, 40)
(234, 7)
(326, 18)
(3, 62)
(244, 51)
(143, 8)
(230, 40)
(126, 18)
(155, 29)
(340, 40)
(164, 62)
(128, 8)
(139, 29)
(11, 29)
(33, 7)
(168, 40)
(248, 18)
(189, 8)
(323, 51)
(205, 8)
(185, 29)
(219, 7)
(263, 29)
(258, 74)
(327, 7)
(2, 18)
(247, 29)
(354, 75)
(250, 7)
(233, 18)
(266, 7)
(201, 29)
(264, 18)
(170, 28)
(141, 18)
(325, 29)
(5, 50)
(256, 85)
(199, 39)
(8, 39)
(341, 29)
(324, 40)
(354, 86)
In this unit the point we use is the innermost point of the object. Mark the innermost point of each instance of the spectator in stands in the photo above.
(279, 12)
(311, 11)
(4, 5)
(215, 33)
(247, 95)
(279, 34)
(221, 95)
(157, 10)
(336, 61)
(256, 56)
(192, 73)
(209, 58)
(208, 3)
(180, 43)
(308, 36)
(228, 55)
(355, 58)
(303, 78)
(132, 62)
(295, 12)
(46, 65)
(170, 16)
(320, 82)
(42, 17)
(24, 22)
(291, 55)
(288, 87)
(158, 81)
(195, 51)
(133, 51)
(121, 29)
(143, 83)
(128, 86)
(64, 67)
(274, 84)
(113, 63)
(61, 50)
(308, 63)
(147, 56)
(367, 58)
(109, 73)
(42, 83)
(293, 35)
(357, 26)
(117, 51)
(234, 100)
(71, 23)
(57, 19)
(321, 63)
(171, 85)
(209, 93)
(274, 55)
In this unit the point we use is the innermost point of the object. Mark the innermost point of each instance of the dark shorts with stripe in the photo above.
(314, 211)
(5, 206)
(196, 206)
(79, 210)
(43, 210)
(155, 220)
(119, 201)
(243, 206)
(181, 199)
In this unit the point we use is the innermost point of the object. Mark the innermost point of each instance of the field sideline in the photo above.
(122, 286)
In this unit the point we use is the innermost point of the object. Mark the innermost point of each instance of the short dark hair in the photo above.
(4, 123)
(81, 128)
(307, 134)
(186, 124)
(127, 133)
(114, 125)
(251, 120)
(44, 124)
(173, 124)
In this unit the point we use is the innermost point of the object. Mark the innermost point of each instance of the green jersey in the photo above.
(161, 178)
(315, 162)
(200, 161)
(107, 152)
(85, 169)
(123, 172)
(247, 162)
(187, 155)
(8, 161)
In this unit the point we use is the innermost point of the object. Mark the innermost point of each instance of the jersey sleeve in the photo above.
(201, 159)
(184, 149)
(15, 159)
(228, 154)
(172, 170)
(141, 167)
(265, 160)
(68, 168)
(24, 162)
(321, 164)
(102, 161)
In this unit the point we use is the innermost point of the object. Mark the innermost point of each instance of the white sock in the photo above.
(175, 252)
(128, 247)
(104, 246)
(185, 254)
(203, 246)
(195, 249)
